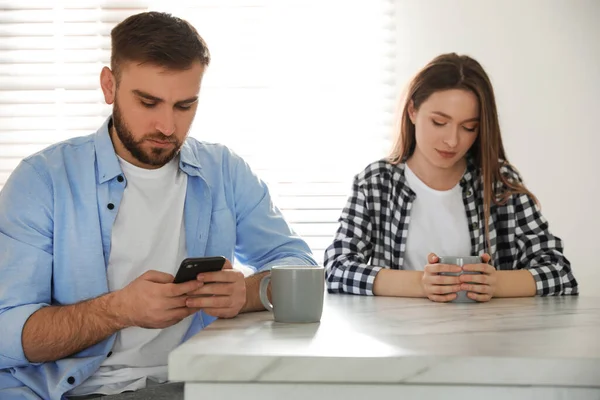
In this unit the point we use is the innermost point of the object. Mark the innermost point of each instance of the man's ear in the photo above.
(108, 83)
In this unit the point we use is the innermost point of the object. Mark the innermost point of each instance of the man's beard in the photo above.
(156, 157)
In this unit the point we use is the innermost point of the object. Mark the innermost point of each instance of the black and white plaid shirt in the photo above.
(374, 228)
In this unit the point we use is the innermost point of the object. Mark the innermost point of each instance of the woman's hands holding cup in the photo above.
(440, 288)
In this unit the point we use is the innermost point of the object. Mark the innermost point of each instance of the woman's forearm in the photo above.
(518, 283)
(390, 282)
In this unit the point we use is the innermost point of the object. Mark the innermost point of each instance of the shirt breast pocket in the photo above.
(222, 233)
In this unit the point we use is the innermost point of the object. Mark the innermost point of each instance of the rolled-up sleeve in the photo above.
(346, 259)
(540, 252)
(25, 257)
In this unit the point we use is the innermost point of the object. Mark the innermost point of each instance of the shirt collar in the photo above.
(188, 157)
(108, 166)
(469, 176)
(106, 159)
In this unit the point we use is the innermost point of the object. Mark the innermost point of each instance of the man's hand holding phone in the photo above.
(159, 300)
(152, 301)
(222, 294)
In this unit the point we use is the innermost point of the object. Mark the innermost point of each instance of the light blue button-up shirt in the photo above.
(55, 232)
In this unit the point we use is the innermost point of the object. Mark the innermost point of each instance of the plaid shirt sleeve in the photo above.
(539, 251)
(346, 259)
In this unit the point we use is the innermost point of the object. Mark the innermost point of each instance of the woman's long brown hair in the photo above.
(451, 71)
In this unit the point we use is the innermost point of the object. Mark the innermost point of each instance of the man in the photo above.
(93, 229)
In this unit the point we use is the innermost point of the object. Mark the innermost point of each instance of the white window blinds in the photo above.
(303, 90)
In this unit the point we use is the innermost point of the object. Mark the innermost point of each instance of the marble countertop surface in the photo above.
(381, 340)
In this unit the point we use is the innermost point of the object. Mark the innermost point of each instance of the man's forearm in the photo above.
(56, 332)
(518, 283)
(253, 302)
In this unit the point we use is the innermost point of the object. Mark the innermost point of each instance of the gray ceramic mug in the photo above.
(297, 293)
(461, 297)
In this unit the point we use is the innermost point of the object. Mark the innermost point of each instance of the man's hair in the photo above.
(157, 38)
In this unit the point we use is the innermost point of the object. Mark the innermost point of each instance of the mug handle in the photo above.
(264, 299)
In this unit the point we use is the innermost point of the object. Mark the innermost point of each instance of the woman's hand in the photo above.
(479, 287)
(438, 287)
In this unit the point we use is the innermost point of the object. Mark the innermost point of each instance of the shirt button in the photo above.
(469, 192)
(120, 178)
(110, 206)
(473, 226)
(71, 380)
(109, 354)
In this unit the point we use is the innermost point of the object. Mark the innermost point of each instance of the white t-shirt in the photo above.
(148, 234)
(438, 224)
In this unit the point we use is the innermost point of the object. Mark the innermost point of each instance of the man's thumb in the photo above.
(158, 277)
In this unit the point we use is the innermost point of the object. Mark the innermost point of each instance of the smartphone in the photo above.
(191, 267)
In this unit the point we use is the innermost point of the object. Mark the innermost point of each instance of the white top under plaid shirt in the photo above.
(374, 227)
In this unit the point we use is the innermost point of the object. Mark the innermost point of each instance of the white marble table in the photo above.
(377, 347)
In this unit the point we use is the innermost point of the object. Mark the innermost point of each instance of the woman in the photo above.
(446, 176)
